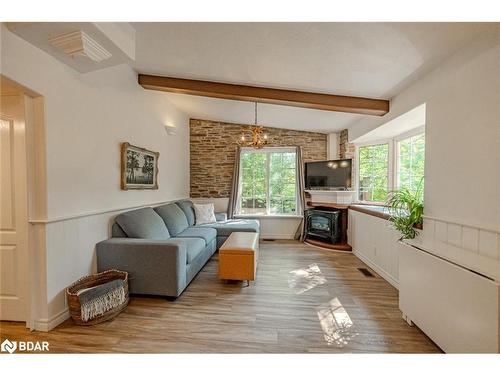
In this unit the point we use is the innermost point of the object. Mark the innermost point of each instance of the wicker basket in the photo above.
(91, 281)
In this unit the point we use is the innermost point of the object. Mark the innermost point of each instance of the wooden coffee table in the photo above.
(238, 257)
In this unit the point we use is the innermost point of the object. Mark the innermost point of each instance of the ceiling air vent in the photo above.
(78, 43)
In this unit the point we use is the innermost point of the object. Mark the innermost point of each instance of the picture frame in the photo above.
(139, 168)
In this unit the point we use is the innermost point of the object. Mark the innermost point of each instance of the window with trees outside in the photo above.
(268, 183)
(410, 162)
(395, 164)
(374, 172)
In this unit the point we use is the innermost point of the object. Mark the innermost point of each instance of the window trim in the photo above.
(267, 150)
(393, 159)
(390, 150)
(398, 139)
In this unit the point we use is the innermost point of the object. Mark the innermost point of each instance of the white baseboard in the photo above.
(46, 325)
(386, 276)
(268, 236)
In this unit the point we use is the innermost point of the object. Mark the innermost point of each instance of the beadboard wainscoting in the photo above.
(471, 246)
(375, 242)
(70, 245)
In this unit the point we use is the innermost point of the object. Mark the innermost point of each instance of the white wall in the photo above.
(462, 96)
(86, 118)
(332, 151)
(462, 173)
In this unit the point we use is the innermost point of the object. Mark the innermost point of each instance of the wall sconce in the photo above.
(171, 130)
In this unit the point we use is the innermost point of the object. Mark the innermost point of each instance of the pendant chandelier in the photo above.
(257, 139)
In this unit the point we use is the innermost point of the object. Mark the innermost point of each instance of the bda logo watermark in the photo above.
(24, 346)
(8, 346)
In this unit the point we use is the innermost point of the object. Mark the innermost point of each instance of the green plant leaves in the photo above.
(406, 209)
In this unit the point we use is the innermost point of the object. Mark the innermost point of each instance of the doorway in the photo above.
(18, 198)
(13, 206)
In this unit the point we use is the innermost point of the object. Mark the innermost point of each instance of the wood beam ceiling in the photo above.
(326, 102)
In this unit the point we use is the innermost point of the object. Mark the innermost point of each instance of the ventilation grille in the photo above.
(366, 272)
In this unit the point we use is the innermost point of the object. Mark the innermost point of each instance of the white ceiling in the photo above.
(117, 38)
(402, 124)
(362, 59)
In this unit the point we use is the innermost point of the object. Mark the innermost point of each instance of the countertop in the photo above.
(374, 210)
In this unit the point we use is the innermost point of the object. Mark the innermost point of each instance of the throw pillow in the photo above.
(204, 213)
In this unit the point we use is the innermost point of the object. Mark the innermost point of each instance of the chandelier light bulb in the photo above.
(258, 139)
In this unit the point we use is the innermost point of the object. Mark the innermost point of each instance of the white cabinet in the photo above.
(457, 308)
(375, 242)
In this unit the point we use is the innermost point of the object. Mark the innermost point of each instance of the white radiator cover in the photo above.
(457, 308)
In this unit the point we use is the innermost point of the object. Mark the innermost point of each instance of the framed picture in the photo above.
(139, 168)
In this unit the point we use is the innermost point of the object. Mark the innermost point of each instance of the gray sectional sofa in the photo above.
(161, 247)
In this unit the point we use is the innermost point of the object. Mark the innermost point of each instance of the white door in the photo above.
(13, 210)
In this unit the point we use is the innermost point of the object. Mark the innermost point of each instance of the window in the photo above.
(395, 164)
(374, 172)
(410, 162)
(268, 184)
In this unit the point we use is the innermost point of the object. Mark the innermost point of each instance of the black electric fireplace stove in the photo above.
(323, 225)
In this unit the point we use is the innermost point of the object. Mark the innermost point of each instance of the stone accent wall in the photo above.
(213, 146)
(346, 150)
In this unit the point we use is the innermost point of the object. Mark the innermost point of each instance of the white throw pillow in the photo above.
(204, 213)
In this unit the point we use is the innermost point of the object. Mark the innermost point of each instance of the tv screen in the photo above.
(330, 174)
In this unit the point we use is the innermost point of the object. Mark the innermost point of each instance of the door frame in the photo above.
(36, 188)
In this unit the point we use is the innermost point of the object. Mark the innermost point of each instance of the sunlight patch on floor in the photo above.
(304, 279)
(338, 328)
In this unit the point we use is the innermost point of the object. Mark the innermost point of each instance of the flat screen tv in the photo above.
(328, 175)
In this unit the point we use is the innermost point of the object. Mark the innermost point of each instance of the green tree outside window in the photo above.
(268, 182)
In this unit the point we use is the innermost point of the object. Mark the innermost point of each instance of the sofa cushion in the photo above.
(208, 234)
(220, 216)
(143, 223)
(187, 207)
(174, 218)
(237, 225)
(117, 231)
(204, 213)
(194, 246)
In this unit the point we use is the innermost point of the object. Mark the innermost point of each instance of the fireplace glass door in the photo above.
(320, 224)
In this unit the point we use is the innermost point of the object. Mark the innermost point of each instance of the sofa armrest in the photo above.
(154, 266)
(220, 216)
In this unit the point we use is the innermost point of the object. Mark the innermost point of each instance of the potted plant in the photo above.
(406, 208)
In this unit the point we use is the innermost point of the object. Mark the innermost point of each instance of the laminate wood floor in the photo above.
(304, 300)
